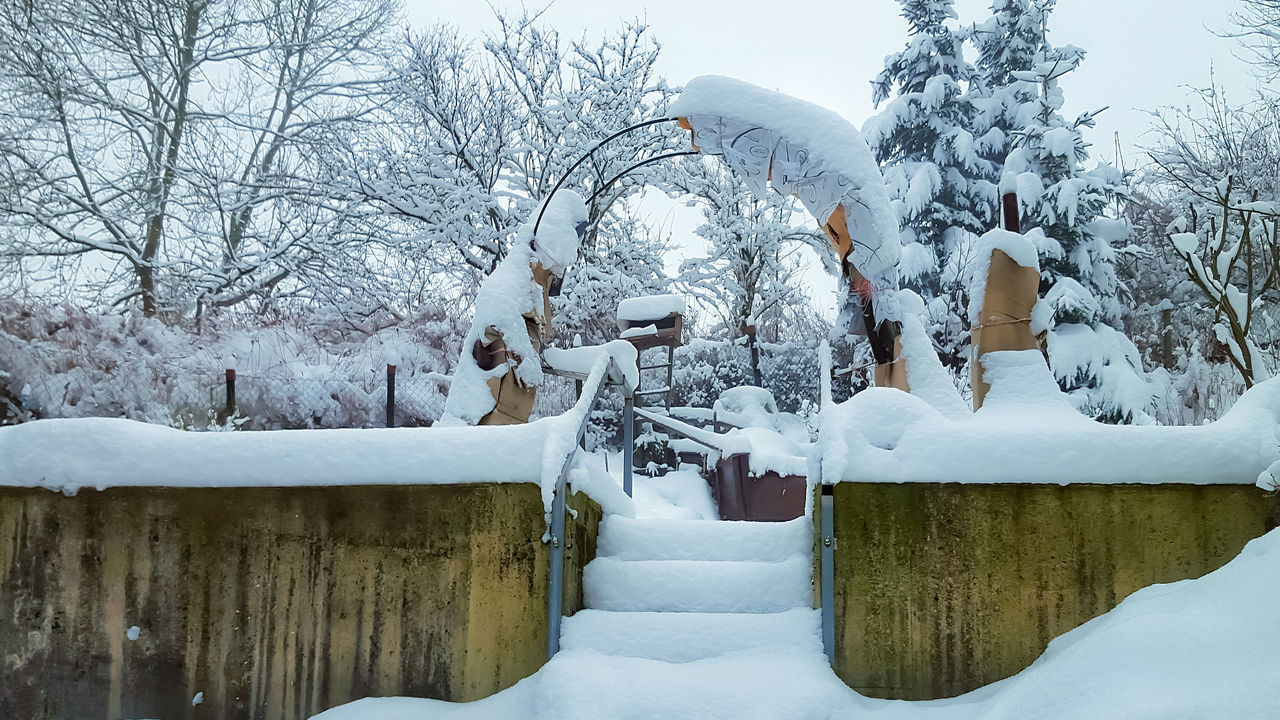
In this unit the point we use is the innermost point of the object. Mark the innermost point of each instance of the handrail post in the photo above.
(628, 441)
(555, 604)
(555, 607)
(826, 507)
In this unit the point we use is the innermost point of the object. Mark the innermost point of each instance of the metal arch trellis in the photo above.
(590, 155)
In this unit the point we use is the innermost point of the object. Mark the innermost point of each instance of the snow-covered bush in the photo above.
(705, 369)
(315, 370)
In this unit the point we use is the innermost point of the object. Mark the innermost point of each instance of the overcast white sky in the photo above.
(1142, 54)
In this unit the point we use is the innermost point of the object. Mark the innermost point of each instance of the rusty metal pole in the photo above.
(1009, 208)
(391, 395)
(231, 393)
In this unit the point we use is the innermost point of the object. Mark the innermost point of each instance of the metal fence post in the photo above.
(391, 395)
(231, 394)
(826, 511)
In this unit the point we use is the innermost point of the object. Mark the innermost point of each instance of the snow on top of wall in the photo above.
(809, 150)
(650, 307)
(1029, 432)
(69, 455)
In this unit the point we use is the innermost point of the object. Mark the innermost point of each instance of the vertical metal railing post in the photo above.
(391, 395)
(828, 535)
(628, 441)
(555, 604)
(555, 608)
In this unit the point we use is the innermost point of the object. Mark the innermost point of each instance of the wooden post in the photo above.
(391, 395)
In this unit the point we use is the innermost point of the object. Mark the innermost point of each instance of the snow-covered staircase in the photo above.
(693, 619)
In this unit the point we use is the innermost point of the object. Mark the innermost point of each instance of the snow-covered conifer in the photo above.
(938, 173)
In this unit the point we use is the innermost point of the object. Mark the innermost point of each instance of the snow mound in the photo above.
(650, 307)
(1029, 432)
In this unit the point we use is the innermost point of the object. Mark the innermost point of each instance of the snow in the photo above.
(579, 360)
(503, 300)
(1029, 432)
(650, 307)
(72, 454)
(809, 150)
(556, 243)
(69, 455)
(680, 494)
(926, 377)
(630, 539)
(746, 405)
(686, 637)
(638, 331)
(697, 585)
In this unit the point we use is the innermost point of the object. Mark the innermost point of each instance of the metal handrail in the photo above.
(555, 604)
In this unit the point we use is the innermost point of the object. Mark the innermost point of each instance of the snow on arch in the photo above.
(800, 148)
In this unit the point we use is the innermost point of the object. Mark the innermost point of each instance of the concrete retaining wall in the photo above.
(943, 588)
(274, 603)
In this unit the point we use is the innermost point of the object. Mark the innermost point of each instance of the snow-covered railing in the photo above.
(605, 372)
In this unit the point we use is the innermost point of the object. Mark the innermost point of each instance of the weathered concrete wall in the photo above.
(275, 603)
(943, 588)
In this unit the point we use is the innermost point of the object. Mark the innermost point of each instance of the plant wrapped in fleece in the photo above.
(1063, 209)
(513, 311)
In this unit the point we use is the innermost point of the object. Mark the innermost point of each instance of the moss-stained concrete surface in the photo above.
(943, 588)
(275, 603)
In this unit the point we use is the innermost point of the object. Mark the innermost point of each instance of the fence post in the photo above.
(391, 395)
(231, 393)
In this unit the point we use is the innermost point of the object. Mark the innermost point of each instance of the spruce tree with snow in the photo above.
(1063, 209)
(938, 174)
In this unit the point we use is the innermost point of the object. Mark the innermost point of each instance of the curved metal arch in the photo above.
(591, 152)
(636, 166)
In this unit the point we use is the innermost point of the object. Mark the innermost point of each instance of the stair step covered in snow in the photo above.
(728, 586)
(688, 636)
(625, 538)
